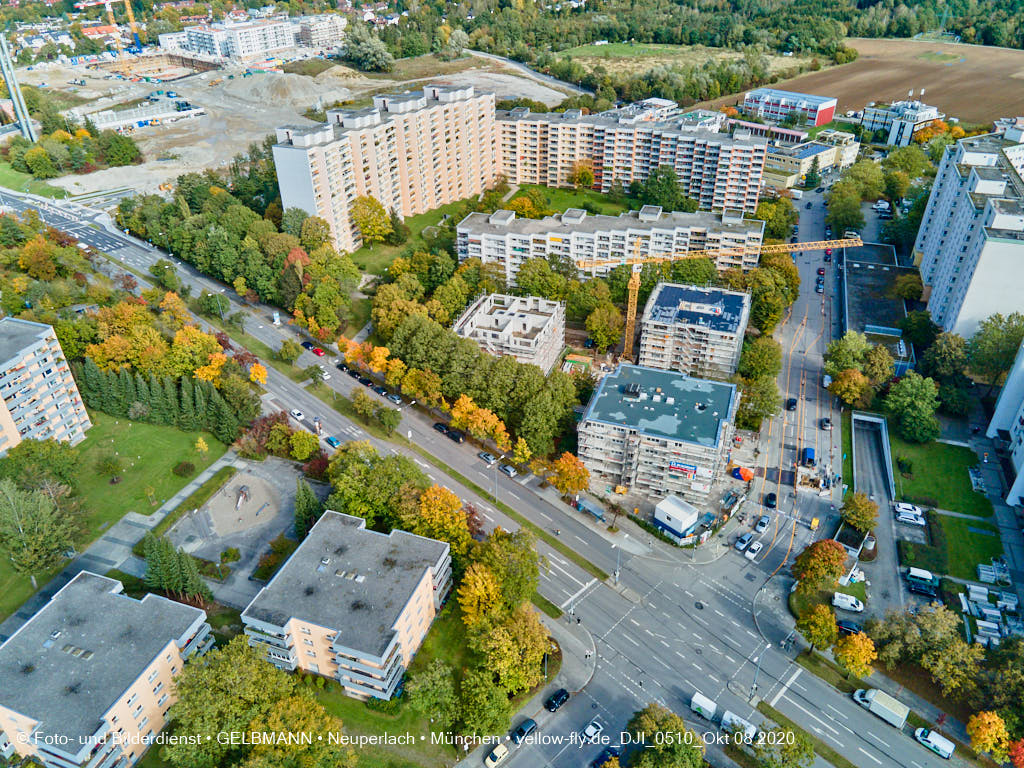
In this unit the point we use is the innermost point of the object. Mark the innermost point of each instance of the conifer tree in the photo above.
(307, 508)
(201, 404)
(187, 417)
(110, 394)
(126, 386)
(142, 396)
(91, 383)
(154, 562)
(170, 400)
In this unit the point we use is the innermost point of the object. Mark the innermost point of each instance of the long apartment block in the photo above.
(717, 170)
(693, 329)
(351, 604)
(658, 432)
(528, 328)
(412, 152)
(38, 396)
(598, 243)
(1007, 427)
(971, 240)
(88, 680)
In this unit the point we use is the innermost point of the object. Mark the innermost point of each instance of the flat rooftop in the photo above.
(869, 272)
(522, 316)
(349, 579)
(791, 95)
(578, 220)
(713, 308)
(16, 334)
(663, 404)
(69, 663)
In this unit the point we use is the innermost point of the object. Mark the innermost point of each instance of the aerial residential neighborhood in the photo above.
(534, 385)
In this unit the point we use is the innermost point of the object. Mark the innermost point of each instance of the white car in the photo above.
(297, 414)
(901, 506)
(910, 518)
(753, 550)
(326, 374)
(593, 731)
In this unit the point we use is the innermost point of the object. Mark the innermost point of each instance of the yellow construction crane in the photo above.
(638, 261)
(110, 17)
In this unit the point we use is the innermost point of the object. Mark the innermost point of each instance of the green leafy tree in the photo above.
(662, 188)
(514, 561)
(300, 713)
(846, 352)
(761, 356)
(896, 185)
(946, 357)
(432, 694)
(303, 444)
(919, 329)
(605, 325)
(582, 175)
(867, 177)
(992, 349)
(484, 706)
(908, 286)
(785, 748)
(31, 462)
(34, 533)
(859, 511)
(912, 402)
(759, 400)
(685, 750)
(371, 219)
(844, 211)
(910, 160)
(878, 365)
(818, 626)
(289, 351)
(314, 373)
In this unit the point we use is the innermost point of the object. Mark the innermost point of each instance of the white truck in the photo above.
(881, 704)
(796, 193)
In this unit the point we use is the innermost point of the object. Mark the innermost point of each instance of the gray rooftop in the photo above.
(714, 308)
(16, 334)
(578, 220)
(71, 661)
(349, 579)
(662, 404)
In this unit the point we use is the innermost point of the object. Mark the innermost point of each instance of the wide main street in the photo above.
(670, 626)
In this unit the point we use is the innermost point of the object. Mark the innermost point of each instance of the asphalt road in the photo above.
(670, 627)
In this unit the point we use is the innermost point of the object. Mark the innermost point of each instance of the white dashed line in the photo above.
(870, 755)
(634, 642)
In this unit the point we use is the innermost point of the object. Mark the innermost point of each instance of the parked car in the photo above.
(847, 602)
(457, 435)
(496, 756)
(342, 367)
(771, 500)
(791, 404)
(826, 423)
(846, 627)
(922, 589)
(828, 251)
(325, 374)
(606, 754)
(308, 345)
(524, 729)
(380, 390)
(902, 506)
(821, 270)
(819, 190)
(508, 469)
(828, 258)
(439, 427)
(909, 518)
(593, 731)
(487, 458)
(808, 206)
(753, 550)
(353, 373)
(396, 399)
(297, 414)
(556, 700)
(332, 441)
(819, 288)
(365, 381)
(743, 542)
(762, 524)
(317, 351)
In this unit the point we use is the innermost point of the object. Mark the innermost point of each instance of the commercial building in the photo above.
(530, 329)
(351, 604)
(247, 40)
(717, 170)
(773, 104)
(412, 152)
(597, 243)
(846, 144)
(658, 432)
(322, 32)
(902, 119)
(787, 165)
(768, 131)
(695, 330)
(88, 680)
(1007, 427)
(971, 240)
(38, 396)
(647, 110)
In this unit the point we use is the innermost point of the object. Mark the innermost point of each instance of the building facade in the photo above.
(773, 104)
(972, 233)
(598, 243)
(322, 32)
(528, 328)
(89, 679)
(412, 152)
(247, 40)
(658, 433)
(1007, 427)
(38, 396)
(695, 330)
(351, 604)
(717, 170)
(902, 119)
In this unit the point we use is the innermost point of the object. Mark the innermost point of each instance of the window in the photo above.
(143, 722)
(161, 700)
(311, 653)
(138, 711)
(132, 699)
(307, 641)
(153, 675)
(159, 687)
(305, 630)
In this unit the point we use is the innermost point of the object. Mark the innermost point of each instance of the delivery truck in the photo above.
(882, 705)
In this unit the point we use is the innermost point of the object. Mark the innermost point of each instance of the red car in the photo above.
(828, 251)
(317, 351)
(821, 270)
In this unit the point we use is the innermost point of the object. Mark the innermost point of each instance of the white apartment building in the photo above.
(902, 119)
(717, 170)
(529, 328)
(1007, 425)
(598, 243)
(695, 330)
(659, 433)
(971, 240)
(248, 40)
(323, 31)
(412, 152)
(38, 396)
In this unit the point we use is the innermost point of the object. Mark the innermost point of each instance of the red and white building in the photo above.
(772, 104)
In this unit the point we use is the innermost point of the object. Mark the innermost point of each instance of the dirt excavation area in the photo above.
(244, 109)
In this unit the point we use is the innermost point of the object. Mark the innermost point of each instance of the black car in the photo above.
(365, 381)
(439, 427)
(808, 206)
(791, 404)
(342, 367)
(353, 373)
(457, 435)
(771, 501)
(848, 627)
(308, 345)
(922, 589)
(380, 390)
(556, 700)
(819, 190)
(523, 730)
(606, 754)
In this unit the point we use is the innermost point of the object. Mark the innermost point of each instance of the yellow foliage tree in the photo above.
(479, 593)
(521, 453)
(855, 654)
(988, 734)
(174, 308)
(211, 371)
(568, 474)
(440, 516)
(379, 358)
(191, 349)
(258, 374)
(462, 411)
(201, 447)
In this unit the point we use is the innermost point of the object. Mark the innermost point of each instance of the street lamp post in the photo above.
(757, 670)
(618, 555)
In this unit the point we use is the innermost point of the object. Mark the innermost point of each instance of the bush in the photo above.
(184, 469)
(389, 707)
(108, 464)
(921, 501)
(230, 555)
(923, 556)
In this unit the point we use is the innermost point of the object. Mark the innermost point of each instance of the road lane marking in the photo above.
(712, 677)
(560, 568)
(634, 642)
(514, 495)
(545, 516)
(815, 717)
(579, 592)
(839, 713)
(581, 541)
(664, 643)
(421, 463)
(785, 687)
(634, 622)
(870, 755)
(880, 741)
(719, 613)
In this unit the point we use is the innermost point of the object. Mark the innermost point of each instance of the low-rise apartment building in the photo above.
(38, 396)
(658, 432)
(971, 239)
(529, 328)
(787, 165)
(412, 152)
(89, 679)
(598, 243)
(776, 105)
(243, 41)
(902, 119)
(695, 330)
(323, 31)
(351, 604)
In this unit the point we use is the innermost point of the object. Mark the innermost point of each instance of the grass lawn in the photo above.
(966, 548)
(359, 315)
(430, 65)
(800, 601)
(24, 182)
(830, 672)
(847, 435)
(15, 589)
(939, 477)
(308, 67)
(823, 750)
(559, 199)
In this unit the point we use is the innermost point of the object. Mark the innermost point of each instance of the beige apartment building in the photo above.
(529, 328)
(717, 170)
(351, 604)
(695, 330)
(88, 680)
(598, 243)
(412, 152)
(38, 396)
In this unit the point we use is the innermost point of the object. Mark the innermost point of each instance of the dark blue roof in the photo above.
(722, 310)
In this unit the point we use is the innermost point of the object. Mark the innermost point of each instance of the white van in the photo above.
(703, 706)
(734, 723)
(921, 576)
(936, 742)
(847, 602)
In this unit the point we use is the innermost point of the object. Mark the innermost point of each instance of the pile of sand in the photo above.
(296, 91)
